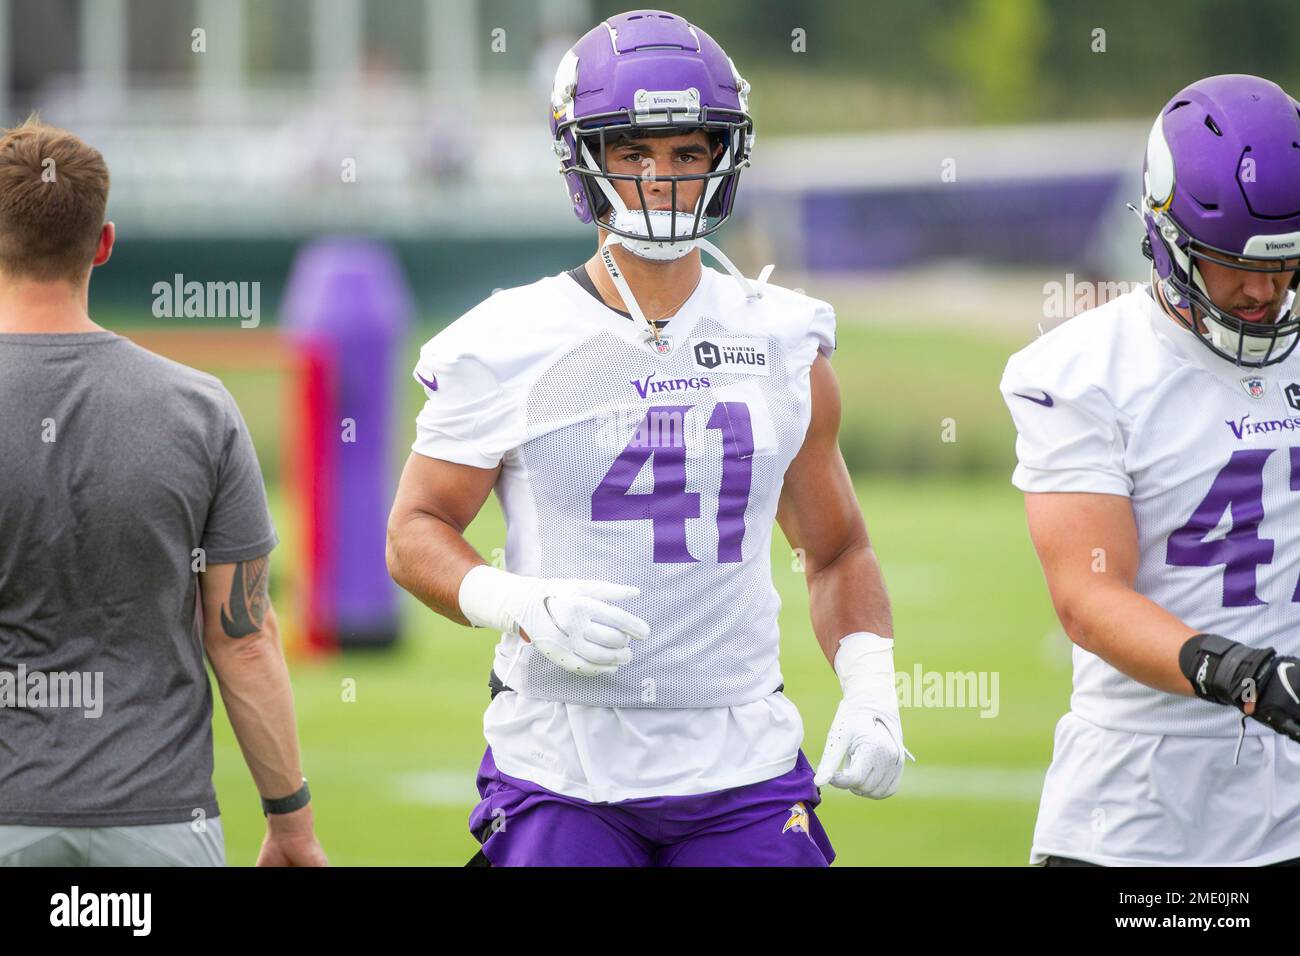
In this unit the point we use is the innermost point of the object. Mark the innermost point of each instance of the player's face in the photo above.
(652, 157)
(1249, 295)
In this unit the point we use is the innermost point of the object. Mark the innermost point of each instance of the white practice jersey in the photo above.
(655, 468)
(1122, 400)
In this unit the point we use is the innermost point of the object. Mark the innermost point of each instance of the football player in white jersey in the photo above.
(643, 421)
(1159, 453)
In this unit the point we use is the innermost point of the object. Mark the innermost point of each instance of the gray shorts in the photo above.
(163, 844)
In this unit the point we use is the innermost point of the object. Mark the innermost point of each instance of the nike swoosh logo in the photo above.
(1281, 672)
(1045, 401)
(430, 385)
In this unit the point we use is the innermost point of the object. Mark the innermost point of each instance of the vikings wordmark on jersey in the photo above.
(624, 462)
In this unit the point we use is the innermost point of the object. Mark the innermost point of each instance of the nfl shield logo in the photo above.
(1254, 386)
(664, 344)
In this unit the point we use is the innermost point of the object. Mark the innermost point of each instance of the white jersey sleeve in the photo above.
(822, 329)
(472, 412)
(1069, 434)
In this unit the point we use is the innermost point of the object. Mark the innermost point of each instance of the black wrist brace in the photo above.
(1225, 671)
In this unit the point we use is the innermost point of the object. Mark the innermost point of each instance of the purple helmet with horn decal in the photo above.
(649, 70)
(1221, 183)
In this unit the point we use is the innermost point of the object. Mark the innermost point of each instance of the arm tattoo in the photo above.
(248, 598)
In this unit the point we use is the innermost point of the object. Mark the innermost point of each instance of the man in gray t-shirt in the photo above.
(134, 535)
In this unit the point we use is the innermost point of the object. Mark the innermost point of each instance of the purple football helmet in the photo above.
(1221, 183)
(639, 71)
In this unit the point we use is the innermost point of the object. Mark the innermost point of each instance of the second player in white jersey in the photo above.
(1159, 453)
(1122, 401)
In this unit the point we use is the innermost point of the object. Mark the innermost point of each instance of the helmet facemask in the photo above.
(1242, 342)
(659, 234)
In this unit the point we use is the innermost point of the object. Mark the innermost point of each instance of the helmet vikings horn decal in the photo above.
(1221, 183)
(640, 71)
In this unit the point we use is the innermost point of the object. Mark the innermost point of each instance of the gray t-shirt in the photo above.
(115, 465)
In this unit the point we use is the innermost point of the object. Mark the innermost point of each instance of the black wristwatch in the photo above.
(295, 801)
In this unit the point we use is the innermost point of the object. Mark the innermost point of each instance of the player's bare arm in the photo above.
(242, 639)
(819, 513)
(1088, 546)
(427, 551)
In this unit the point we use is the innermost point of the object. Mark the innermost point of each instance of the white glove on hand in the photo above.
(566, 619)
(866, 728)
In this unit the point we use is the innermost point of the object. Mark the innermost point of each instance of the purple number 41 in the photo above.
(660, 439)
(1238, 488)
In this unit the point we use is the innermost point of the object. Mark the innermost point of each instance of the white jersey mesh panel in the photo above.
(713, 624)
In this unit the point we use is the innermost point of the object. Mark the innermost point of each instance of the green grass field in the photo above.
(393, 771)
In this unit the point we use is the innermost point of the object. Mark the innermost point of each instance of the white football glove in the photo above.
(866, 729)
(566, 619)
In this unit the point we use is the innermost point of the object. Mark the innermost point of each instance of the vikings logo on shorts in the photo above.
(798, 821)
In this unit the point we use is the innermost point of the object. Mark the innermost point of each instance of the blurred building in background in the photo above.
(221, 117)
(890, 135)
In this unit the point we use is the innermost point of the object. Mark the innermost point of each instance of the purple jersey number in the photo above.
(661, 439)
(732, 419)
(1238, 488)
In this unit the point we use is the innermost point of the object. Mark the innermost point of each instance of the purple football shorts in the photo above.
(770, 823)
